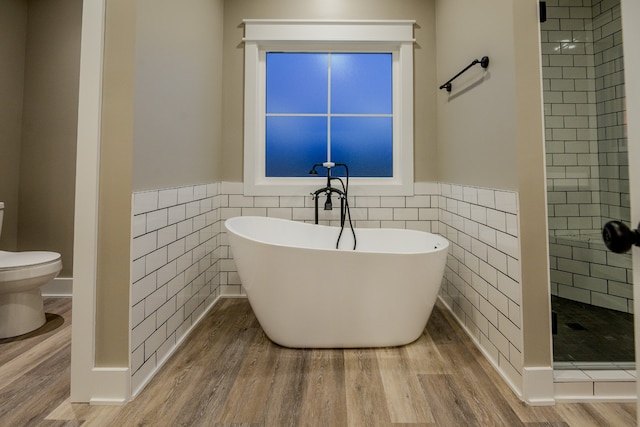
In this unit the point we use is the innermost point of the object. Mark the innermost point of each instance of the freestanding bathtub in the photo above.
(307, 294)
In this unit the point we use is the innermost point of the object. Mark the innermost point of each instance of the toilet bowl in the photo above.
(21, 276)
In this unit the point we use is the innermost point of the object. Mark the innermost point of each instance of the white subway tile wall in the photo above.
(175, 270)
(482, 279)
(181, 260)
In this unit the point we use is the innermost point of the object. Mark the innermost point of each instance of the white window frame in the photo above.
(262, 36)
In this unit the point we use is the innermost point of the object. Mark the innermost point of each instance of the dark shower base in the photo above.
(591, 334)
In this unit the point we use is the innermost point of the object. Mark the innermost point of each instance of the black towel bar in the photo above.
(484, 63)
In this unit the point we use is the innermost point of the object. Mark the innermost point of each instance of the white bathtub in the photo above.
(307, 294)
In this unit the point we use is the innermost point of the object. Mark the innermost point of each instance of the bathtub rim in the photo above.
(438, 239)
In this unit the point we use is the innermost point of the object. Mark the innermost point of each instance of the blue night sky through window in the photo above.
(329, 106)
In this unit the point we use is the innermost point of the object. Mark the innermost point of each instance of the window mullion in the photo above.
(329, 107)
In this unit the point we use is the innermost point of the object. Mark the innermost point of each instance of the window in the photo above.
(319, 91)
(329, 107)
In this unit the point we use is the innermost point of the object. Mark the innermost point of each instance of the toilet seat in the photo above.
(14, 260)
(16, 267)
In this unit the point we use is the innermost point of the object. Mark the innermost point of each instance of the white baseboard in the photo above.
(58, 287)
(537, 384)
(106, 386)
(107, 402)
(232, 291)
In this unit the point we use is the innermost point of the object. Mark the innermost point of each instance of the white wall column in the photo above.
(88, 383)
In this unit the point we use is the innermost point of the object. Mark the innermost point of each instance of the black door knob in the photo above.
(618, 237)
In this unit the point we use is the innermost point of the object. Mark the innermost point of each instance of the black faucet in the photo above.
(342, 194)
(328, 205)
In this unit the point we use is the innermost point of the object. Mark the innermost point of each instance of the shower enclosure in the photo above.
(587, 181)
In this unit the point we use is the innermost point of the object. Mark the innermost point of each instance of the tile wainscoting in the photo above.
(181, 262)
(482, 279)
(174, 271)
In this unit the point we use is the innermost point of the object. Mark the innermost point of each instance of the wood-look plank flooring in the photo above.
(228, 373)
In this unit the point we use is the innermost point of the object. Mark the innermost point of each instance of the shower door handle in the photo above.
(619, 238)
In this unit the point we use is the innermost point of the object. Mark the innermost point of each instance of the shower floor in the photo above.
(588, 334)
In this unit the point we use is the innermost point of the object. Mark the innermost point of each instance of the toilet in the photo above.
(21, 276)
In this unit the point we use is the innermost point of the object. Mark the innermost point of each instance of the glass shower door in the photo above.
(587, 182)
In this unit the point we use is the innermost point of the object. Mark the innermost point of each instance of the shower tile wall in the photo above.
(570, 118)
(610, 106)
(582, 269)
(175, 270)
(482, 278)
(586, 148)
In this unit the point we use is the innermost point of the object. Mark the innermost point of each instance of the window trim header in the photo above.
(281, 30)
